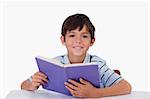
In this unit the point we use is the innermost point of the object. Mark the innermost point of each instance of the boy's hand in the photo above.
(38, 78)
(82, 89)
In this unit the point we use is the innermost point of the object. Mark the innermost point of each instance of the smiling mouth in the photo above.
(77, 47)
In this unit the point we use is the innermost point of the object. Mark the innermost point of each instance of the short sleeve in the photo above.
(107, 76)
(60, 59)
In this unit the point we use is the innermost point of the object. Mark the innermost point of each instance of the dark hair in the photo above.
(77, 21)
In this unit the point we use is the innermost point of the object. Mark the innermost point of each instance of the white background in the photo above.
(29, 29)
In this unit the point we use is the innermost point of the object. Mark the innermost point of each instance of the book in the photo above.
(59, 73)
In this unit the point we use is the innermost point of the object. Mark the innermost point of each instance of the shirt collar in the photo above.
(86, 59)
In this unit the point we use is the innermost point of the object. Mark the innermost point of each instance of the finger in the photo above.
(41, 74)
(35, 84)
(84, 81)
(38, 81)
(73, 92)
(71, 86)
(74, 82)
(40, 77)
(45, 80)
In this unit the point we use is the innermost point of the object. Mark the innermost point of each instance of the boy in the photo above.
(78, 35)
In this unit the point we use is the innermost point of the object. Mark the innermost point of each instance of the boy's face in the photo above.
(77, 42)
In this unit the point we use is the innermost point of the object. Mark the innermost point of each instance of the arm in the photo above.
(88, 90)
(123, 87)
(37, 79)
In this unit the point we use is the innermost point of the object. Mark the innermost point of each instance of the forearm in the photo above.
(27, 85)
(123, 87)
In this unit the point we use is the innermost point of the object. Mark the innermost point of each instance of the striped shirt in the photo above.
(107, 76)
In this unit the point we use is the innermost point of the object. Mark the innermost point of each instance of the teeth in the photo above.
(77, 47)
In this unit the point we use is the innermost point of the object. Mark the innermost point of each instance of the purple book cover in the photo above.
(57, 74)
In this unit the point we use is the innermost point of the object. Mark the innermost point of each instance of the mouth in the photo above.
(77, 47)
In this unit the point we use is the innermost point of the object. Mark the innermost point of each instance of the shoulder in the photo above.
(60, 58)
(97, 59)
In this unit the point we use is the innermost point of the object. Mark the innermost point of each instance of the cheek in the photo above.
(87, 44)
(68, 44)
(68, 40)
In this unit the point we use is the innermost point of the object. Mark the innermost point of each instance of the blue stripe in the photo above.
(115, 81)
(109, 78)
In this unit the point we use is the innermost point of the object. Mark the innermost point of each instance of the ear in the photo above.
(62, 40)
(92, 41)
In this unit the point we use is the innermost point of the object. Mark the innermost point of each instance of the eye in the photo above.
(72, 35)
(85, 36)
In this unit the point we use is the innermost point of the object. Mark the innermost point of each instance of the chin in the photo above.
(78, 54)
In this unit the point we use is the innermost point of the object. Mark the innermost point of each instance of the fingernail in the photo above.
(65, 83)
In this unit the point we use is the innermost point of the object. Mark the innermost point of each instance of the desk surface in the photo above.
(44, 94)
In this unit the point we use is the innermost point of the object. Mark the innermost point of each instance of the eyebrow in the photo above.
(71, 32)
(82, 32)
(86, 32)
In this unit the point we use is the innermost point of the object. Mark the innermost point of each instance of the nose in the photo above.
(78, 39)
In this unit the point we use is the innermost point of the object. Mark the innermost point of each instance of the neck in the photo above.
(76, 59)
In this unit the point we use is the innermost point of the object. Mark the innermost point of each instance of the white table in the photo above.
(44, 94)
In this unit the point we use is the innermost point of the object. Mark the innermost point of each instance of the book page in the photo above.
(80, 64)
(54, 61)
